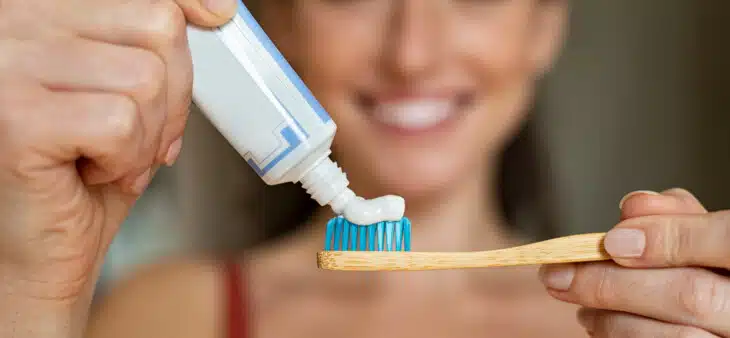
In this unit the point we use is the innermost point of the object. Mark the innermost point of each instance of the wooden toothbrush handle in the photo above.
(576, 248)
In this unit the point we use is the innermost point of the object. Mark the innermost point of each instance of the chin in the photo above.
(417, 187)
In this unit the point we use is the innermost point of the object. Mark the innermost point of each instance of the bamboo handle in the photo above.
(576, 248)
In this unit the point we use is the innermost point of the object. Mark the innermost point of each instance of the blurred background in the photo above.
(639, 100)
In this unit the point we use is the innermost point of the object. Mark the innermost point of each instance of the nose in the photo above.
(413, 43)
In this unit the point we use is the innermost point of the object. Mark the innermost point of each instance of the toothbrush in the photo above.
(569, 249)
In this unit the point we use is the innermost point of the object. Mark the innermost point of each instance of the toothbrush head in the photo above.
(341, 235)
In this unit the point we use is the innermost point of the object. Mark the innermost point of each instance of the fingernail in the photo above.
(140, 184)
(558, 277)
(625, 243)
(634, 193)
(221, 7)
(173, 152)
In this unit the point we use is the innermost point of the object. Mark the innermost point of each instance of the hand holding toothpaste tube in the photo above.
(94, 96)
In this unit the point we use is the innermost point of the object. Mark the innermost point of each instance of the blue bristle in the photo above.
(329, 234)
(341, 235)
(338, 235)
(353, 237)
(371, 238)
(345, 235)
(381, 233)
(363, 236)
(406, 234)
(389, 229)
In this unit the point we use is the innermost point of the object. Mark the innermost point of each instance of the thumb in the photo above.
(208, 13)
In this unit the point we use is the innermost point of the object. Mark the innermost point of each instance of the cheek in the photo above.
(497, 49)
(497, 54)
(326, 56)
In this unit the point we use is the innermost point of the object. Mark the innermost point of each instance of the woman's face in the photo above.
(424, 92)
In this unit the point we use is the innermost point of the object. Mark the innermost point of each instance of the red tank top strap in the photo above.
(236, 300)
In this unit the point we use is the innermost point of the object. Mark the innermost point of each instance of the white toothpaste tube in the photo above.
(251, 94)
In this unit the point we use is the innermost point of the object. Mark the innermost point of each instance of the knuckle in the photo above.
(167, 24)
(604, 292)
(686, 239)
(721, 219)
(720, 222)
(18, 110)
(700, 295)
(151, 76)
(678, 240)
(123, 120)
(718, 234)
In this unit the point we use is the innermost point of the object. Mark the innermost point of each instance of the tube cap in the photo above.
(328, 184)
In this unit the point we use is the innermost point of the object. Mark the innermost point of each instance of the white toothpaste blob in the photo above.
(415, 114)
(328, 185)
(365, 212)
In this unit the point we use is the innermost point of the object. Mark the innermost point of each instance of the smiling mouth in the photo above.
(416, 114)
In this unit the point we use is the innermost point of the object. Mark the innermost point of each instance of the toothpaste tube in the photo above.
(251, 94)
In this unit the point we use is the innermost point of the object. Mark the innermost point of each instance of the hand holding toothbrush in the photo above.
(94, 95)
(669, 276)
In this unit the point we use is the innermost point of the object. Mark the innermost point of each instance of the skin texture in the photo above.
(80, 139)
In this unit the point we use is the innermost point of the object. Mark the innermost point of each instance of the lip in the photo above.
(458, 103)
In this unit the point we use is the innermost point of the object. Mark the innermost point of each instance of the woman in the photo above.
(426, 95)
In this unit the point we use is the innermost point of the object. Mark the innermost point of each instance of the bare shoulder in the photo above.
(174, 299)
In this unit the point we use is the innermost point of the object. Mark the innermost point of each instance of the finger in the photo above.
(108, 133)
(204, 13)
(647, 203)
(686, 296)
(63, 127)
(85, 65)
(612, 324)
(160, 27)
(689, 200)
(672, 241)
(208, 13)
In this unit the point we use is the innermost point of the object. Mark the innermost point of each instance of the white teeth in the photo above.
(419, 114)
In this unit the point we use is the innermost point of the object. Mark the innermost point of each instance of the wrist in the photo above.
(23, 315)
